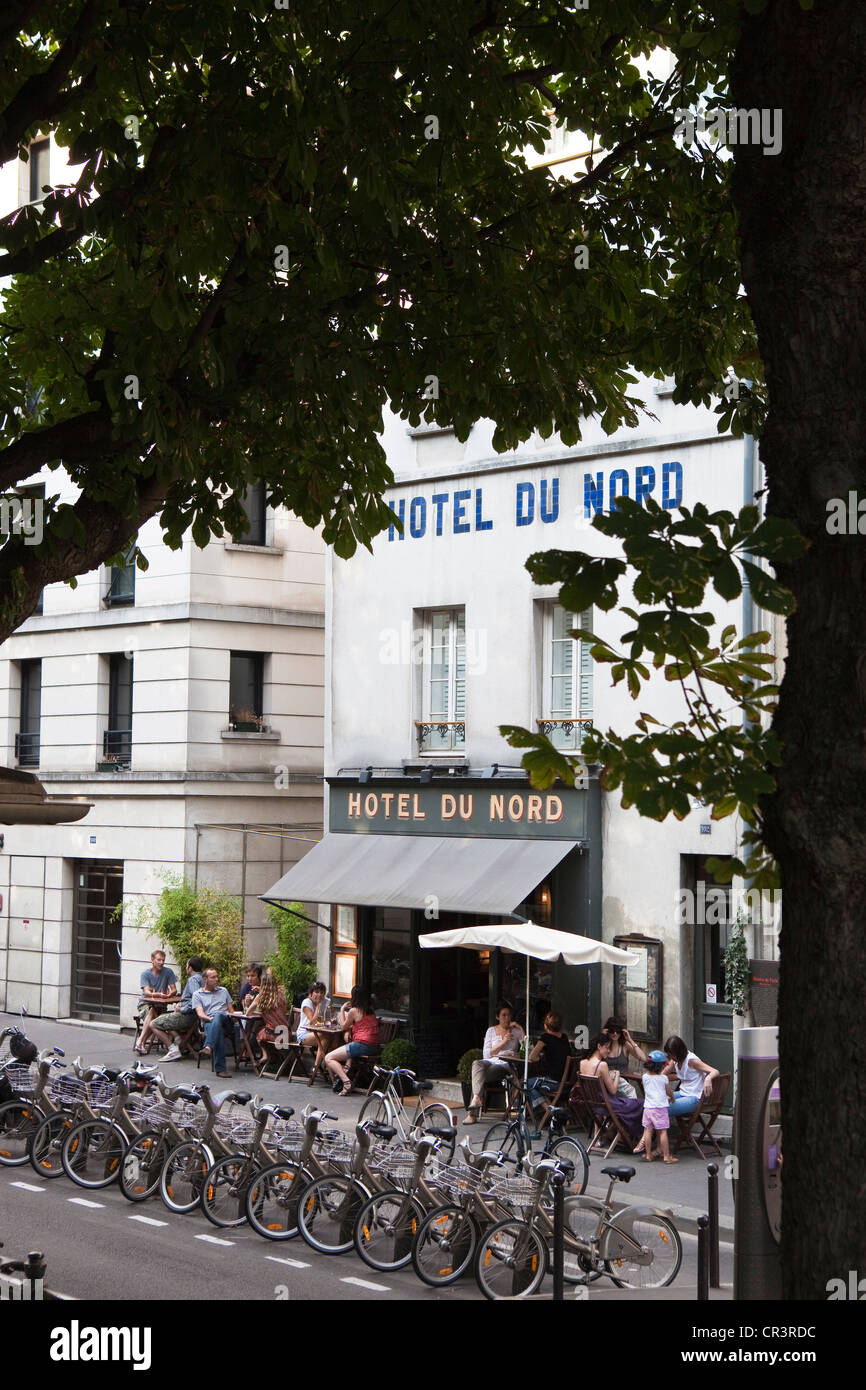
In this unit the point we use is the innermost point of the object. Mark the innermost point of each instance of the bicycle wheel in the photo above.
(272, 1200)
(444, 1246)
(385, 1229)
(327, 1213)
(92, 1153)
(651, 1259)
(19, 1121)
(142, 1166)
(224, 1194)
(583, 1222)
(511, 1260)
(573, 1151)
(183, 1175)
(376, 1107)
(503, 1139)
(47, 1143)
(432, 1119)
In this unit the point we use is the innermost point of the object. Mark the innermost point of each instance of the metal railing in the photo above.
(117, 746)
(27, 749)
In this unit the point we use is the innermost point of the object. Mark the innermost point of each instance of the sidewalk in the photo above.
(681, 1187)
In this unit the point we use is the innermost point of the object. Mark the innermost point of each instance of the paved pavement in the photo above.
(152, 1245)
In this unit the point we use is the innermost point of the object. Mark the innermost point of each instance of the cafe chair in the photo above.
(706, 1115)
(608, 1128)
(360, 1070)
(231, 1046)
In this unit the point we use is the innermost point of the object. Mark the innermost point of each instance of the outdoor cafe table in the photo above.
(329, 1036)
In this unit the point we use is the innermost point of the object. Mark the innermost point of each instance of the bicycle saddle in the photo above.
(621, 1174)
(382, 1131)
(282, 1112)
(446, 1132)
(559, 1112)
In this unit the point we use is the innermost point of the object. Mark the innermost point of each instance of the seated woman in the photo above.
(696, 1077)
(270, 1005)
(629, 1111)
(624, 1047)
(311, 1012)
(358, 1015)
(554, 1047)
(501, 1042)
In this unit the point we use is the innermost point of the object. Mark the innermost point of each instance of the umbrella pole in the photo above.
(526, 1044)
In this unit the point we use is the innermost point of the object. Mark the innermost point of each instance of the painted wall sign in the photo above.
(384, 808)
(466, 509)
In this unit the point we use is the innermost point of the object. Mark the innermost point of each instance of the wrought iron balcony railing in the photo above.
(27, 749)
(117, 746)
(566, 734)
(441, 735)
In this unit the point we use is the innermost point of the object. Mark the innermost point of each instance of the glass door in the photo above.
(96, 938)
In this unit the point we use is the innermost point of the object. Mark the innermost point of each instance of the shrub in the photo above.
(294, 960)
(192, 921)
(464, 1066)
(400, 1053)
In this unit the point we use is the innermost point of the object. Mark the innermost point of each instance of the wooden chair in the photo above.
(563, 1090)
(609, 1128)
(707, 1113)
(500, 1083)
(360, 1069)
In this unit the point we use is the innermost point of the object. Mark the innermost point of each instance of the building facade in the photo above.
(185, 702)
(435, 640)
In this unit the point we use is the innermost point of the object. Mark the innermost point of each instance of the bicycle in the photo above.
(227, 1181)
(93, 1151)
(512, 1140)
(170, 1123)
(447, 1238)
(387, 1107)
(21, 1115)
(272, 1198)
(637, 1247)
(188, 1164)
(72, 1099)
(387, 1222)
(329, 1206)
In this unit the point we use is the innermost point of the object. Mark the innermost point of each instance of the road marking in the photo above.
(293, 1264)
(215, 1240)
(83, 1202)
(366, 1284)
(148, 1221)
(29, 1186)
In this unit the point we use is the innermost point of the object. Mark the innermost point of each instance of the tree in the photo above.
(293, 961)
(287, 216)
(194, 921)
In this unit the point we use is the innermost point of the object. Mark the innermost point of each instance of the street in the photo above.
(99, 1246)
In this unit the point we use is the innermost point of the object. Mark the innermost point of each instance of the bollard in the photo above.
(713, 1209)
(34, 1269)
(703, 1259)
(557, 1181)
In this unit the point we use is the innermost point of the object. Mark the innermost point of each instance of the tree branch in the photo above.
(41, 97)
(75, 440)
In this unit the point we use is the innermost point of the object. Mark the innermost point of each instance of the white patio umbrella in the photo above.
(527, 939)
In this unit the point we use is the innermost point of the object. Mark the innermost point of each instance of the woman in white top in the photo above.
(310, 1013)
(696, 1077)
(501, 1042)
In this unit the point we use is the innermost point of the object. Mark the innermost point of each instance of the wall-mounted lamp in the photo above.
(365, 775)
(426, 776)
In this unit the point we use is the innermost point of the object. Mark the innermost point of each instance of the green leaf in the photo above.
(726, 579)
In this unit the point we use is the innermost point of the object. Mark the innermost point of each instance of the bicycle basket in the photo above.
(394, 1161)
(519, 1194)
(21, 1078)
(456, 1181)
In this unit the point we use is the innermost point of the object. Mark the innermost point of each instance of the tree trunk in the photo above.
(803, 234)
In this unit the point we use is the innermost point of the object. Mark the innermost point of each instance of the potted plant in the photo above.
(110, 762)
(246, 721)
(464, 1072)
(400, 1053)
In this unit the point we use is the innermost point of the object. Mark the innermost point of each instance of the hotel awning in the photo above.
(459, 874)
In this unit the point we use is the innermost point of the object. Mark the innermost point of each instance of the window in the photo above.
(121, 588)
(566, 704)
(246, 691)
(38, 169)
(254, 503)
(27, 738)
(443, 726)
(117, 739)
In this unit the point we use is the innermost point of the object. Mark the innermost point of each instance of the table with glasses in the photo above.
(329, 1036)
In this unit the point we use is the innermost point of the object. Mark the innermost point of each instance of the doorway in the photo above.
(709, 919)
(96, 939)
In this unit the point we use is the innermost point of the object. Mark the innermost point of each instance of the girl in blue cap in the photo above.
(657, 1093)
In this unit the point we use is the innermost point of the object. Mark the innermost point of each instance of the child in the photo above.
(657, 1092)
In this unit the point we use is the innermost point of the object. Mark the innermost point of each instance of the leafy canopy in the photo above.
(287, 215)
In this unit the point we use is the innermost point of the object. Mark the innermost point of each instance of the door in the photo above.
(713, 1031)
(96, 939)
(454, 999)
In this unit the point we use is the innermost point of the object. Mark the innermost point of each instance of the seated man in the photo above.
(212, 1003)
(173, 1025)
(158, 986)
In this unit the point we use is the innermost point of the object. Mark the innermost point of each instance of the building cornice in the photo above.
(168, 613)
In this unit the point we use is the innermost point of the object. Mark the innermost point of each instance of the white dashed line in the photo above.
(366, 1284)
(83, 1202)
(148, 1221)
(29, 1186)
(215, 1240)
(283, 1260)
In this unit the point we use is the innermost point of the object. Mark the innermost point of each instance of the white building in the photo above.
(129, 691)
(435, 640)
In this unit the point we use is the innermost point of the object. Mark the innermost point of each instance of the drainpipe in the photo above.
(748, 625)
